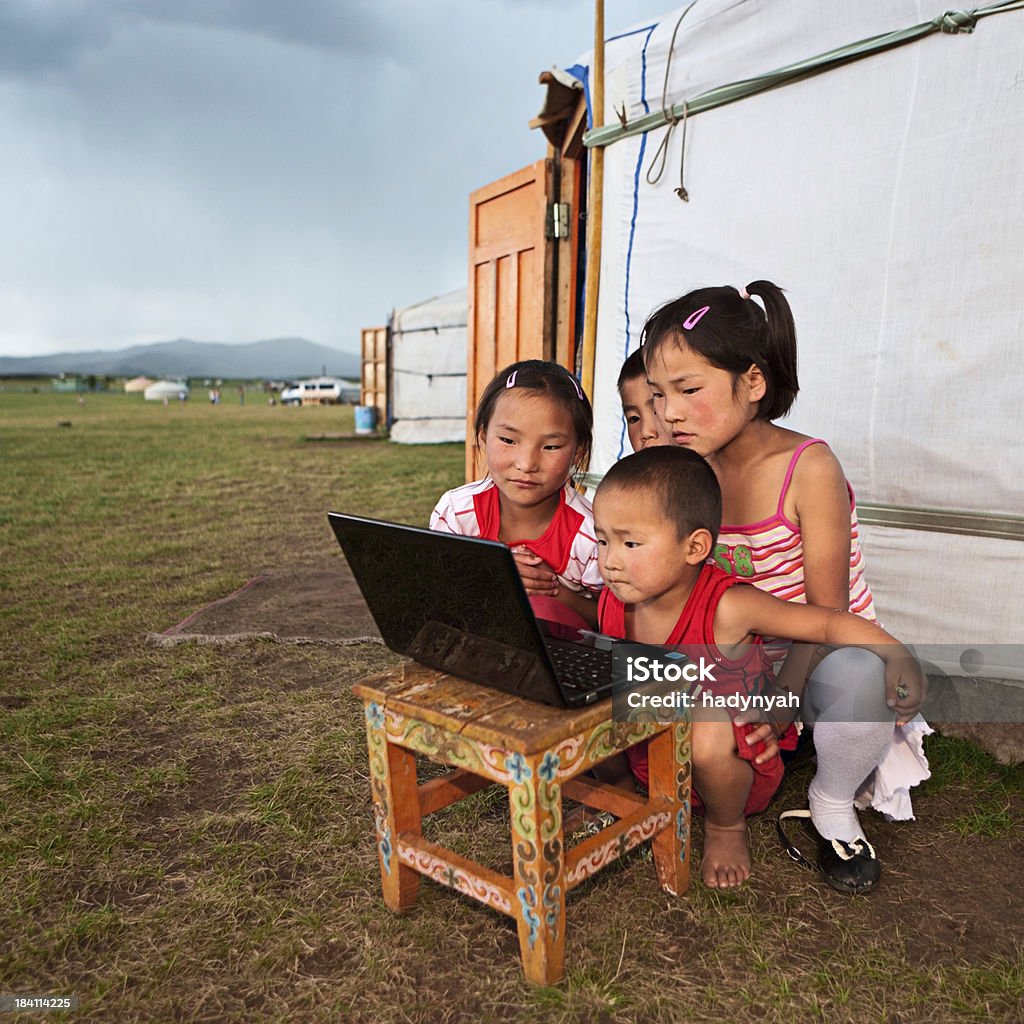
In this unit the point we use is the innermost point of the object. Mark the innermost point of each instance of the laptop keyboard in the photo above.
(580, 667)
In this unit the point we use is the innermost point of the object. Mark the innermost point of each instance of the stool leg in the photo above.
(538, 858)
(396, 809)
(668, 759)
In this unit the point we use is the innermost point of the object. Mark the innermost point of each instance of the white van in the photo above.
(317, 391)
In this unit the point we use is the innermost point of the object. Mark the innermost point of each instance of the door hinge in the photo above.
(557, 221)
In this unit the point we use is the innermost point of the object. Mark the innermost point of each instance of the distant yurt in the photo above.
(169, 389)
(427, 379)
(137, 384)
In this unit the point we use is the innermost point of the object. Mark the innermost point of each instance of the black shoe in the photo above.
(851, 867)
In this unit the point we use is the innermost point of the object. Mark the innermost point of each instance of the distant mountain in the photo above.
(276, 358)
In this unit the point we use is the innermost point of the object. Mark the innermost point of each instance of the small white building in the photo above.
(169, 389)
(427, 376)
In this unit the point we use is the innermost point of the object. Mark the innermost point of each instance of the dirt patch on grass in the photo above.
(308, 604)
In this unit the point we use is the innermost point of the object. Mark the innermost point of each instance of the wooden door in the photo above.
(374, 390)
(510, 271)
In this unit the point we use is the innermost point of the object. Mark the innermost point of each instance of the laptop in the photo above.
(457, 604)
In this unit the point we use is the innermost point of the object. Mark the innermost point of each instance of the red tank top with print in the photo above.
(696, 627)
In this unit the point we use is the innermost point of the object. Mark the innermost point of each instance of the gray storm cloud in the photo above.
(238, 170)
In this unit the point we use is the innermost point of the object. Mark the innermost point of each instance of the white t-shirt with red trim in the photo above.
(569, 545)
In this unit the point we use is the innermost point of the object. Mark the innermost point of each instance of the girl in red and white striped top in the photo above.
(533, 423)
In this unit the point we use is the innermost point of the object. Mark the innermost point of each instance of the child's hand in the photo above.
(905, 686)
(538, 577)
(765, 733)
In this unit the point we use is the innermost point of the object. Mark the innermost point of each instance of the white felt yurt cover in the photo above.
(162, 389)
(428, 371)
(887, 197)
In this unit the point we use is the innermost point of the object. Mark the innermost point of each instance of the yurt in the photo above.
(137, 384)
(427, 378)
(867, 158)
(169, 389)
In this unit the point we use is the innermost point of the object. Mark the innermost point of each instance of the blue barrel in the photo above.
(366, 419)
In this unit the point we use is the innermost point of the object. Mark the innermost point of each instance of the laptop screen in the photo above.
(454, 603)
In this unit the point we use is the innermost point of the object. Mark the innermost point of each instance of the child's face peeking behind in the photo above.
(697, 402)
(644, 428)
(530, 444)
(640, 554)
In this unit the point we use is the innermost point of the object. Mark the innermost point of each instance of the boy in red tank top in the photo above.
(657, 515)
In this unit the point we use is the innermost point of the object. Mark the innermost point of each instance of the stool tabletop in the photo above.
(478, 712)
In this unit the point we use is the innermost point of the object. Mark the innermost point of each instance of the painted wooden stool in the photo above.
(537, 753)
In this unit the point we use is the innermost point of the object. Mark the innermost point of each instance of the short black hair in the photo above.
(681, 480)
(632, 369)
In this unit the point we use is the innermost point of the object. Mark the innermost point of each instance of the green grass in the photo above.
(186, 832)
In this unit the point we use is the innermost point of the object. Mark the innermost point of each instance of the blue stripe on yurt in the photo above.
(634, 32)
(581, 72)
(632, 220)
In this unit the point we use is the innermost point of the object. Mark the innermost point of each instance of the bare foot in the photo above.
(726, 862)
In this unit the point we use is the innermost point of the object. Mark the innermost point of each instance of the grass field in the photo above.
(186, 832)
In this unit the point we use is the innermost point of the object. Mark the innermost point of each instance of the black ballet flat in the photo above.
(852, 868)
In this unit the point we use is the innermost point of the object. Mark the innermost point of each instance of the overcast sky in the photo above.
(232, 170)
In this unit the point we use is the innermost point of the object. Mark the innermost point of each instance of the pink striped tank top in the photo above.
(770, 554)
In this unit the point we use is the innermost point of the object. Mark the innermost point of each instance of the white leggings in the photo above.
(853, 728)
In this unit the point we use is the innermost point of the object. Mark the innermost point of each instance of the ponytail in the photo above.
(778, 362)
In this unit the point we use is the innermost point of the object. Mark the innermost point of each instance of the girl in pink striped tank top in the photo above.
(769, 553)
(721, 368)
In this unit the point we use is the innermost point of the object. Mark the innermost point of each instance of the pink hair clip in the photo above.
(511, 382)
(694, 318)
(576, 385)
(743, 292)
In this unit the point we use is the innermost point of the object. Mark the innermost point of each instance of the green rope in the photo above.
(950, 22)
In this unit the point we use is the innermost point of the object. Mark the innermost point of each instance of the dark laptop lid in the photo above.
(454, 603)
